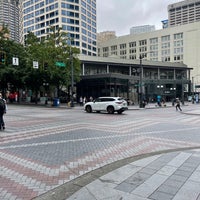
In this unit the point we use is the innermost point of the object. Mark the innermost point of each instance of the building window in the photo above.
(132, 44)
(153, 40)
(105, 49)
(178, 43)
(123, 52)
(165, 38)
(165, 45)
(113, 48)
(131, 51)
(143, 49)
(142, 42)
(154, 47)
(132, 57)
(122, 46)
(178, 36)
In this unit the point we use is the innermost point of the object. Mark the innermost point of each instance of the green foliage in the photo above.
(4, 32)
(46, 52)
(12, 76)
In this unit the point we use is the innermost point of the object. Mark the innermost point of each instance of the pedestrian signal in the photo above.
(45, 66)
(2, 57)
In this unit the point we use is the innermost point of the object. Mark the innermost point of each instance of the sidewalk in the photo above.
(130, 107)
(174, 175)
(168, 175)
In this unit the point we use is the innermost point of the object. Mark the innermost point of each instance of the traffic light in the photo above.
(2, 57)
(45, 66)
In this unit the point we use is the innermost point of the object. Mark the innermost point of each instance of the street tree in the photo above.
(63, 57)
(11, 76)
(54, 56)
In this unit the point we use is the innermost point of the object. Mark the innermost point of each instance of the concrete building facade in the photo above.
(104, 36)
(184, 12)
(175, 44)
(77, 18)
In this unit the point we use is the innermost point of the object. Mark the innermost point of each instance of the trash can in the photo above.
(56, 102)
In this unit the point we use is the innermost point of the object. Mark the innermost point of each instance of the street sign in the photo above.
(60, 64)
(15, 61)
(35, 65)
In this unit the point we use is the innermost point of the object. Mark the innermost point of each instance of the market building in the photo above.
(132, 79)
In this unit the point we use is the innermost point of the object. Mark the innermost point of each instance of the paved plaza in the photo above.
(46, 152)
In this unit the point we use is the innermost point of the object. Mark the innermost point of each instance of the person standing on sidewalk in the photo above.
(178, 104)
(3, 109)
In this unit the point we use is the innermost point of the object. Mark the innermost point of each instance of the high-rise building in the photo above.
(76, 17)
(9, 15)
(184, 12)
(142, 29)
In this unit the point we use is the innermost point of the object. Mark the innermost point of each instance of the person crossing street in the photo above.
(178, 104)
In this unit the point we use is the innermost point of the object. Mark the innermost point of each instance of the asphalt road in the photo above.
(44, 148)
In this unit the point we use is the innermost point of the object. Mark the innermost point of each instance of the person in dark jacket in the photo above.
(3, 109)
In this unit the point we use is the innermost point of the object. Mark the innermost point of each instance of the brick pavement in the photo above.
(43, 148)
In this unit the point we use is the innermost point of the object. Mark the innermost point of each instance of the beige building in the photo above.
(105, 35)
(175, 44)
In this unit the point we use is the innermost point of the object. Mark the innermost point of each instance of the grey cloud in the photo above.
(121, 15)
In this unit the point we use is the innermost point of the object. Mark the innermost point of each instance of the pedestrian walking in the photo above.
(91, 98)
(3, 109)
(178, 104)
(81, 101)
(84, 100)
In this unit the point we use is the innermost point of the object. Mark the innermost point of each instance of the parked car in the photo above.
(107, 104)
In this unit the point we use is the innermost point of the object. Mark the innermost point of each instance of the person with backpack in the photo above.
(3, 109)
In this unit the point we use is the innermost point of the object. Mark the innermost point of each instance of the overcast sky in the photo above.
(121, 15)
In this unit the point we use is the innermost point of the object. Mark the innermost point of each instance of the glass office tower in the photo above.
(76, 17)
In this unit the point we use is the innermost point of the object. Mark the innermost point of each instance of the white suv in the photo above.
(108, 104)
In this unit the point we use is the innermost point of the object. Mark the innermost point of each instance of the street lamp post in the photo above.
(182, 87)
(159, 96)
(141, 103)
(72, 76)
(140, 84)
(193, 90)
(173, 89)
(160, 87)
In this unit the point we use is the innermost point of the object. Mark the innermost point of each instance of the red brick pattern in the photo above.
(23, 179)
